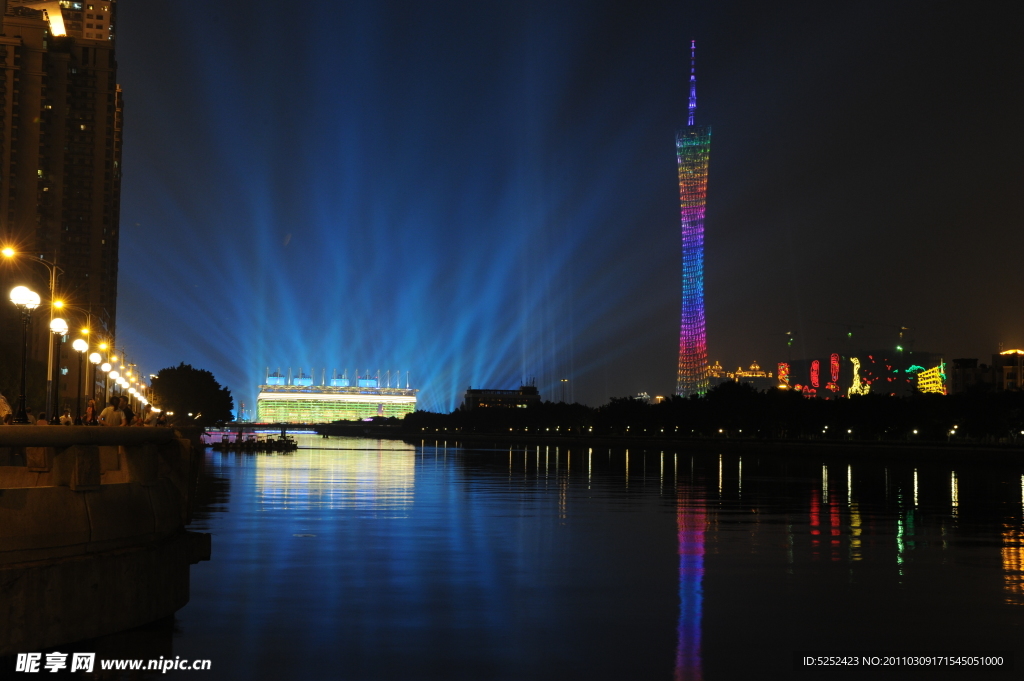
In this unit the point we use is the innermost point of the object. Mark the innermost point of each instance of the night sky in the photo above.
(481, 193)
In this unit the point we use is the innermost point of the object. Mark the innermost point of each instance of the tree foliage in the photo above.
(185, 390)
(739, 410)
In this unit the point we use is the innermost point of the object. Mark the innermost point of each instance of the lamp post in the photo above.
(80, 346)
(58, 327)
(105, 368)
(26, 301)
(52, 267)
(113, 375)
(95, 360)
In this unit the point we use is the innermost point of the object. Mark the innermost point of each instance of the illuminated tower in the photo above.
(693, 144)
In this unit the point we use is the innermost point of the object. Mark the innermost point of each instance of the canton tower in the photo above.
(693, 143)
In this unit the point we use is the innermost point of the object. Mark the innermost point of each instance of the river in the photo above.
(364, 559)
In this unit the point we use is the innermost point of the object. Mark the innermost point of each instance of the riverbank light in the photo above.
(95, 358)
(58, 326)
(81, 346)
(105, 367)
(24, 297)
(114, 375)
(55, 304)
(25, 300)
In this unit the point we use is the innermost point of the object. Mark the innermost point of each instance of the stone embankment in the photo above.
(92, 531)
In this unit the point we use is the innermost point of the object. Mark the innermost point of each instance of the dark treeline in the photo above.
(738, 410)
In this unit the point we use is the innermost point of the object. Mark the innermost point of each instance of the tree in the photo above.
(185, 390)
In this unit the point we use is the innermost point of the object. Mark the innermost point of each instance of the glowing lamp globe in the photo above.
(95, 358)
(22, 296)
(58, 326)
(105, 367)
(114, 375)
(80, 345)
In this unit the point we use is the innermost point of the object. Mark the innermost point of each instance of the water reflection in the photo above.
(691, 518)
(379, 479)
(513, 562)
(1013, 565)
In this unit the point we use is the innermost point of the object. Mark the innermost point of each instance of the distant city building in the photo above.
(932, 380)
(717, 374)
(693, 145)
(287, 399)
(60, 163)
(487, 398)
(1006, 372)
(754, 375)
(877, 372)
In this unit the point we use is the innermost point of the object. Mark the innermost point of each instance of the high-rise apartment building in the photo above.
(60, 164)
(693, 144)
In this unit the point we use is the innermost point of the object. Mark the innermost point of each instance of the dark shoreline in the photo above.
(933, 450)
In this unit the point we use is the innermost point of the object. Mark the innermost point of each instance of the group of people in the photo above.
(117, 413)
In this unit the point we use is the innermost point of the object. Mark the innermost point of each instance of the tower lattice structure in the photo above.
(693, 145)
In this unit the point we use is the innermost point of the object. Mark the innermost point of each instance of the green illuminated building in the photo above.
(298, 401)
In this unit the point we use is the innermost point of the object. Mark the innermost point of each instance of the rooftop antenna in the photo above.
(693, 80)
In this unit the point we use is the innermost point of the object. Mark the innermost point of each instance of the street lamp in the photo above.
(105, 368)
(52, 267)
(26, 301)
(80, 346)
(58, 327)
(94, 359)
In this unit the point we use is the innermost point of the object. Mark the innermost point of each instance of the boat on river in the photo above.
(256, 444)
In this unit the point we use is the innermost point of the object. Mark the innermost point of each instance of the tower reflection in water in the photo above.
(691, 517)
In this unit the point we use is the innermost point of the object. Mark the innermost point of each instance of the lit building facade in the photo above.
(868, 372)
(488, 398)
(1006, 372)
(753, 375)
(693, 144)
(298, 400)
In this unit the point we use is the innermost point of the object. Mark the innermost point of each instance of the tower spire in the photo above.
(693, 80)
